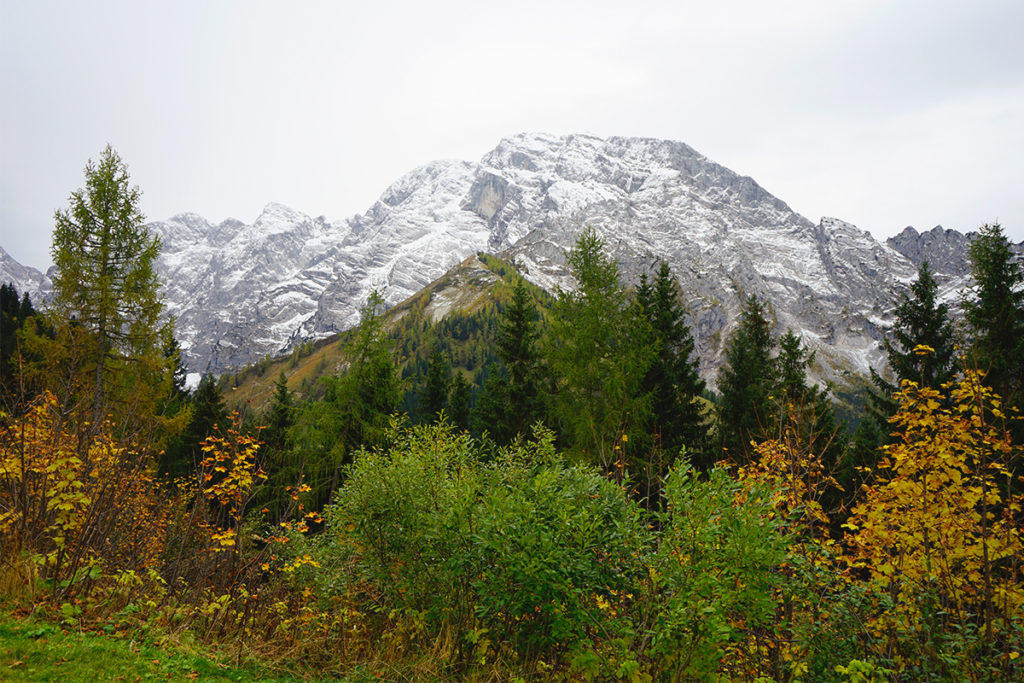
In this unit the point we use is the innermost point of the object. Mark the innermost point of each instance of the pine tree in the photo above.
(745, 382)
(995, 313)
(106, 283)
(673, 379)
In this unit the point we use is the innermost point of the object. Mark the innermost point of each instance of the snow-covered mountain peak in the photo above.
(240, 291)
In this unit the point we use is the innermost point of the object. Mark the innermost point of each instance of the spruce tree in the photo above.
(806, 409)
(792, 364)
(510, 403)
(673, 379)
(995, 312)
(922, 321)
(436, 385)
(280, 416)
(355, 411)
(282, 468)
(459, 400)
(208, 416)
(14, 313)
(746, 381)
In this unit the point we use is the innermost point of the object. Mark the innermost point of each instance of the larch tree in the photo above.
(599, 352)
(106, 289)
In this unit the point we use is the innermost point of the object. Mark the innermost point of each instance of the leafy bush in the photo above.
(523, 549)
(715, 570)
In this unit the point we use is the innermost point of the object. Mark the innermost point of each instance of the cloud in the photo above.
(881, 113)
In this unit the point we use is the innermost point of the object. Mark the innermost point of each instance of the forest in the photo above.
(541, 488)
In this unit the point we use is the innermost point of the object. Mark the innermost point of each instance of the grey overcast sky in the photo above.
(884, 114)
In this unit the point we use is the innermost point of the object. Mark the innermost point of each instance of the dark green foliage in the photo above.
(436, 384)
(14, 314)
(459, 401)
(673, 380)
(922, 321)
(280, 416)
(281, 465)
(354, 412)
(598, 351)
(512, 403)
(209, 415)
(995, 312)
(179, 373)
(745, 382)
(792, 364)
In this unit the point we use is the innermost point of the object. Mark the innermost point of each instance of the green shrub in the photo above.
(561, 546)
(523, 548)
(715, 571)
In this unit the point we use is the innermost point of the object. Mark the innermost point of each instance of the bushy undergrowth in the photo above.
(440, 558)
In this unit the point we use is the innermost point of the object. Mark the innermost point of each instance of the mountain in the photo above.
(241, 291)
(26, 279)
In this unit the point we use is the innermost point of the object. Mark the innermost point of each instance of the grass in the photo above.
(34, 650)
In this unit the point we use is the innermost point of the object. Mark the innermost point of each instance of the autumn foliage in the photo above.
(937, 538)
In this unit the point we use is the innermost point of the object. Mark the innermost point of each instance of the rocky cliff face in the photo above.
(26, 279)
(944, 250)
(242, 291)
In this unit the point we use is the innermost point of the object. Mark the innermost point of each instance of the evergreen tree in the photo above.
(510, 402)
(280, 416)
(806, 410)
(179, 373)
(106, 283)
(436, 385)
(282, 468)
(458, 401)
(791, 367)
(673, 380)
(355, 410)
(599, 351)
(177, 398)
(14, 313)
(995, 313)
(745, 382)
(208, 416)
(922, 321)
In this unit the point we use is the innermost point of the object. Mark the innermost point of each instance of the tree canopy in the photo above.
(106, 287)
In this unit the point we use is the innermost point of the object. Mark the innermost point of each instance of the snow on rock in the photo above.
(241, 291)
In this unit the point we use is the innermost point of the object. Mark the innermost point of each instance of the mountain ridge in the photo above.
(241, 291)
